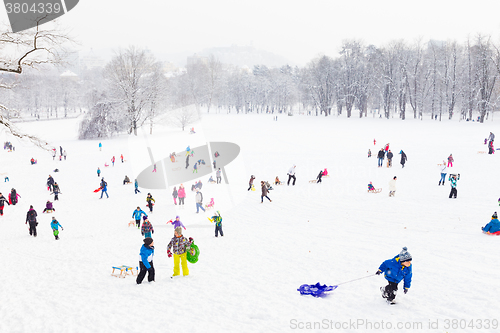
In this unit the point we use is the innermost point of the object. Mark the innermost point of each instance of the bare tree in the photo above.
(29, 48)
(129, 76)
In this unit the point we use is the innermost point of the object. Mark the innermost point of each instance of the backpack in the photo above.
(31, 215)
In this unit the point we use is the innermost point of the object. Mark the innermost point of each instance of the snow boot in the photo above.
(391, 302)
(384, 294)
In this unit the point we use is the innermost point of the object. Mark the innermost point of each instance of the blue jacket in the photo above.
(55, 225)
(492, 227)
(136, 184)
(138, 213)
(394, 271)
(146, 255)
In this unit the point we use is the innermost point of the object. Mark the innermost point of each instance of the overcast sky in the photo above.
(297, 30)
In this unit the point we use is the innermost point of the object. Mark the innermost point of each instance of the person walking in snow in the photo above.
(113, 160)
(177, 223)
(3, 200)
(453, 182)
(147, 228)
(121, 156)
(104, 188)
(55, 227)
(53, 154)
(98, 172)
(65, 154)
(217, 219)
(493, 226)
(291, 174)
(403, 158)
(187, 161)
(146, 261)
(56, 190)
(250, 182)
(395, 270)
(442, 168)
(150, 200)
(31, 219)
(174, 195)
(50, 183)
(491, 137)
(195, 168)
(380, 157)
(450, 161)
(369, 153)
(199, 201)
(100, 146)
(218, 176)
(265, 191)
(390, 155)
(14, 197)
(179, 244)
(137, 216)
(182, 194)
(136, 185)
(318, 178)
(392, 186)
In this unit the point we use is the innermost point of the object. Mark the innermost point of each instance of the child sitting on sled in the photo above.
(277, 181)
(493, 227)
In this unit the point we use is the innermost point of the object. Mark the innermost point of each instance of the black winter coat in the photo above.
(380, 154)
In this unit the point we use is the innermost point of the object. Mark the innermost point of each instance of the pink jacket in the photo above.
(181, 193)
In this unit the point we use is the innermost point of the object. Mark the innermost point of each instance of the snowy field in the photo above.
(247, 280)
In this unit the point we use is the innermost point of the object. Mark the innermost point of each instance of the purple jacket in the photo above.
(178, 223)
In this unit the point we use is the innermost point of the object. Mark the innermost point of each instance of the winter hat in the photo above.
(178, 230)
(495, 216)
(177, 217)
(404, 255)
(144, 218)
(148, 241)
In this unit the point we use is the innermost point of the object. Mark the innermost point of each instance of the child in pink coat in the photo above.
(181, 193)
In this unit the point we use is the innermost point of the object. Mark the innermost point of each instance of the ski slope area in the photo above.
(247, 281)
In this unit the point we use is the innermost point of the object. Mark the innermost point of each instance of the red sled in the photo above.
(497, 233)
(100, 188)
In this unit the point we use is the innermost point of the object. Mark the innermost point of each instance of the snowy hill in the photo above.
(247, 281)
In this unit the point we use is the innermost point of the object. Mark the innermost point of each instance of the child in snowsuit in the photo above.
(56, 190)
(150, 200)
(177, 223)
(136, 184)
(450, 161)
(55, 227)
(277, 181)
(493, 226)
(3, 200)
(137, 216)
(182, 194)
(395, 270)
(217, 219)
(369, 153)
(146, 261)
(174, 195)
(98, 172)
(104, 188)
(49, 207)
(250, 182)
(147, 228)
(31, 219)
(179, 244)
(453, 182)
(371, 187)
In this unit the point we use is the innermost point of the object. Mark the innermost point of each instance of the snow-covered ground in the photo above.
(247, 280)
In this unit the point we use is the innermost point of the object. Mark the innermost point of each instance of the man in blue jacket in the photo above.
(493, 226)
(395, 270)
(146, 261)
(137, 216)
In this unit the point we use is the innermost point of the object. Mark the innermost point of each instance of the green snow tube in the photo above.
(192, 253)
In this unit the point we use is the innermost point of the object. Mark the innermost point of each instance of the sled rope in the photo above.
(364, 277)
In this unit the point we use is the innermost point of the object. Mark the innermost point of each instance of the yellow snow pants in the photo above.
(183, 260)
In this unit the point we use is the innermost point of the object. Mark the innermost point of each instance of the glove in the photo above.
(142, 233)
(379, 272)
(62, 228)
(184, 228)
(191, 239)
(406, 290)
(169, 254)
(152, 231)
